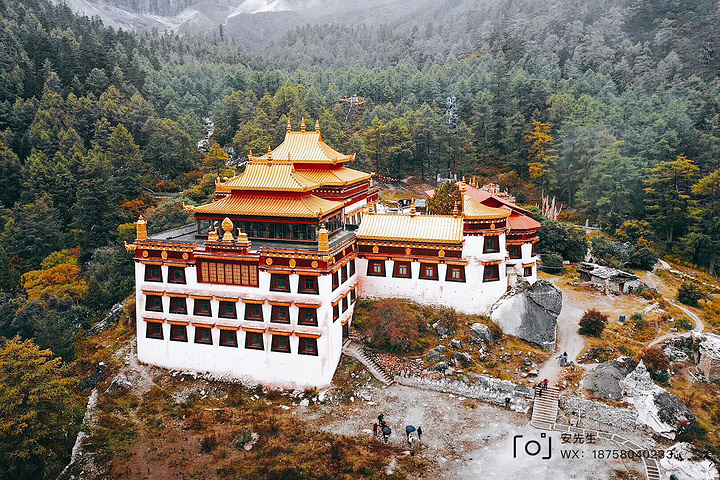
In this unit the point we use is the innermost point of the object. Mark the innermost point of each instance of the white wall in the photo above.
(267, 367)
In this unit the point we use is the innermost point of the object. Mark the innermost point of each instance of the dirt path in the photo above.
(568, 338)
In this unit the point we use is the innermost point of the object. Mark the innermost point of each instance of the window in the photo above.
(178, 333)
(280, 343)
(153, 273)
(491, 273)
(154, 330)
(153, 303)
(514, 251)
(253, 311)
(534, 249)
(254, 341)
(402, 269)
(527, 271)
(279, 283)
(307, 316)
(177, 305)
(228, 273)
(336, 311)
(203, 335)
(492, 244)
(176, 275)
(344, 303)
(455, 273)
(308, 284)
(227, 310)
(352, 267)
(280, 314)
(335, 283)
(344, 273)
(228, 338)
(308, 346)
(353, 295)
(429, 271)
(376, 268)
(202, 307)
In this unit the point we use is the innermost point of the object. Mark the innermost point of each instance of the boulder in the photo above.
(455, 343)
(530, 312)
(107, 322)
(657, 408)
(482, 332)
(91, 381)
(119, 384)
(433, 356)
(462, 357)
(439, 329)
(604, 382)
(441, 348)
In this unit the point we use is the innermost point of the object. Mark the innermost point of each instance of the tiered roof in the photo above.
(477, 211)
(305, 206)
(307, 147)
(270, 175)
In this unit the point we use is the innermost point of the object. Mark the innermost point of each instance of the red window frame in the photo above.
(153, 273)
(202, 307)
(491, 244)
(280, 314)
(305, 319)
(307, 346)
(254, 341)
(353, 296)
(178, 305)
(455, 268)
(335, 282)
(249, 315)
(491, 273)
(150, 306)
(178, 333)
(429, 271)
(203, 335)
(176, 275)
(336, 311)
(352, 267)
(303, 284)
(223, 310)
(515, 251)
(343, 274)
(376, 272)
(527, 271)
(280, 343)
(345, 303)
(228, 338)
(154, 330)
(534, 249)
(275, 280)
(396, 270)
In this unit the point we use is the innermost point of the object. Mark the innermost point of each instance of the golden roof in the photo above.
(306, 206)
(269, 175)
(307, 147)
(476, 210)
(416, 228)
(334, 177)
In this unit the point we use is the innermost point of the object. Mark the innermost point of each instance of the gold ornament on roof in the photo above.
(289, 126)
(302, 125)
(213, 235)
(456, 210)
(189, 208)
(141, 229)
(292, 263)
(227, 226)
(413, 211)
(323, 239)
(317, 126)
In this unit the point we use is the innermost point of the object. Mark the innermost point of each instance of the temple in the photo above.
(263, 285)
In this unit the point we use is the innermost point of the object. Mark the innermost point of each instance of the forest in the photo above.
(612, 107)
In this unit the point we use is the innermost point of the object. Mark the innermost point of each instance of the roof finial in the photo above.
(269, 154)
(213, 235)
(302, 125)
(413, 211)
(141, 229)
(317, 125)
(289, 126)
(227, 226)
(456, 210)
(323, 239)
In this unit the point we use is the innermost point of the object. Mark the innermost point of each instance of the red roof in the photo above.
(488, 199)
(518, 221)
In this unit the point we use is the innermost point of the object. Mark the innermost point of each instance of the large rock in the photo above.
(657, 408)
(482, 332)
(604, 382)
(530, 312)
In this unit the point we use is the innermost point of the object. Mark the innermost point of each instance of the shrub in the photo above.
(690, 293)
(448, 318)
(656, 362)
(391, 324)
(593, 323)
(552, 263)
(683, 324)
(638, 321)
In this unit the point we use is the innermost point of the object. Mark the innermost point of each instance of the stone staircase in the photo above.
(545, 408)
(373, 367)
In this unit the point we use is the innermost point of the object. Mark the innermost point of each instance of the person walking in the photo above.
(380, 419)
(545, 384)
(539, 389)
(408, 430)
(386, 431)
(419, 432)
